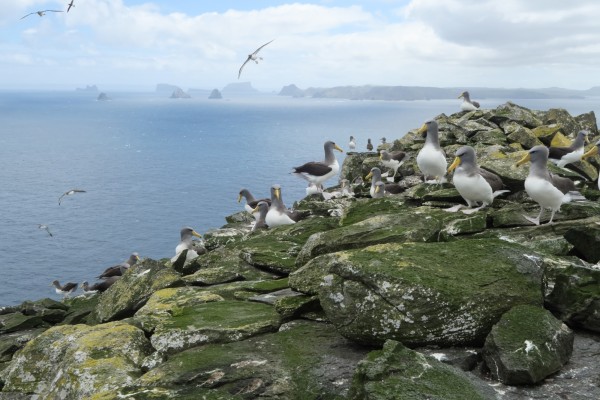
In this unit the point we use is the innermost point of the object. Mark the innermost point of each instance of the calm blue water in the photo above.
(151, 165)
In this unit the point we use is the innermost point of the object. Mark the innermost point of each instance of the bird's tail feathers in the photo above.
(573, 196)
(499, 192)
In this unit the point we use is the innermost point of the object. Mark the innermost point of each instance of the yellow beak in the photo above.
(369, 176)
(381, 156)
(335, 146)
(593, 152)
(239, 198)
(255, 209)
(278, 193)
(526, 158)
(196, 234)
(587, 139)
(422, 130)
(377, 188)
(455, 164)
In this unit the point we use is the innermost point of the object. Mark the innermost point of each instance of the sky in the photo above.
(127, 44)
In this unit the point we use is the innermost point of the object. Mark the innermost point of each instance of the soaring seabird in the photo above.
(65, 289)
(278, 213)
(562, 156)
(262, 208)
(392, 159)
(475, 185)
(119, 269)
(318, 172)
(375, 176)
(431, 160)
(70, 5)
(545, 188)
(468, 104)
(41, 13)
(99, 286)
(69, 193)
(251, 202)
(352, 144)
(187, 234)
(594, 151)
(45, 227)
(369, 145)
(254, 57)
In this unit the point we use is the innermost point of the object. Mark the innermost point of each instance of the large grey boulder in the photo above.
(442, 294)
(527, 345)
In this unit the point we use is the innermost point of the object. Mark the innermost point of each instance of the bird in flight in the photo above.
(70, 5)
(41, 13)
(70, 192)
(45, 227)
(254, 57)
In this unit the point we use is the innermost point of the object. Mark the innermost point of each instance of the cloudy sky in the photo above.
(201, 44)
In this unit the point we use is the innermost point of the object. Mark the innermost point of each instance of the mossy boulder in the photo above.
(519, 134)
(396, 372)
(78, 361)
(442, 294)
(586, 240)
(303, 360)
(80, 310)
(212, 276)
(17, 321)
(575, 298)
(11, 342)
(129, 293)
(510, 112)
(213, 322)
(527, 345)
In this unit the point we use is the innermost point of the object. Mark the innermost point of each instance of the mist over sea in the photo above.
(151, 165)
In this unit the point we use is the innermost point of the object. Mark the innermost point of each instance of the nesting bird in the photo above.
(251, 202)
(65, 289)
(475, 185)
(392, 159)
(431, 159)
(375, 176)
(278, 213)
(546, 189)
(369, 145)
(562, 156)
(318, 172)
(262, 208)
(594, 151)
(379, 191)
(468, 104)
(119, 269)
(187, 234)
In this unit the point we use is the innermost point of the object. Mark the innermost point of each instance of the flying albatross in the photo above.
(475, 185)
(69, 193)
(431, 159)
(545, 188)
(375, 176)
(278, 213)
(41, 13)
(45, 227)
(468, 104)
(187, 234)
(119, 269)
(562, 156)
(251, 202)
(318, 172)
(70, 5)
(254, 57)
(594, 152)
(65, 289)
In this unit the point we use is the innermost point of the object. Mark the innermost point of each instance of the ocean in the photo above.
(150, 165)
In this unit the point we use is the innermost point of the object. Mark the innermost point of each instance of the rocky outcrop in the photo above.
(319, 308)
(215, 94)
(291, 90)
(178, 93)
(103, 97)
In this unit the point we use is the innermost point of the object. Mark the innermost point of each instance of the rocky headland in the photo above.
(388, 298)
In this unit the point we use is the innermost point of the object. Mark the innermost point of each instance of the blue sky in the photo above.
(201, 44)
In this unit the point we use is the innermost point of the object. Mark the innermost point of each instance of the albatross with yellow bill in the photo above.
(548, 190)
(468, 104)
(251, 202)
(431, 160)
(475, 185)
(318, 172)
(594, 151)
(392, 160)
(187, 234)
(375, 176)
(562, 156)
(278, 213)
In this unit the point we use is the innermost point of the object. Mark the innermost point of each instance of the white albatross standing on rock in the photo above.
(546, 189)
(431, 160)
(186, 243)
(278, 213)
(317, 172)
(468, 104)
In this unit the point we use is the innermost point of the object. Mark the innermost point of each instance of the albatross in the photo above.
(70, 5)
(562, 156)
(318, 172)
(431, 159)
(392, 160)
(262, 208)
(65, 289)
(369, 145)
(69, 193)
(187, 234)
(375, 176)
(468, 104)
(352, 143)
(119, 269)
(251, 202)
(278, 213)
(594, 151)
(41, 13)
(99, 286)
(545, 188)
(45, 228)
(254, 57)
(475, 185)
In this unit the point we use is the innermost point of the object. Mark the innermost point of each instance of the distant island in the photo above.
(88, 88)
(239, 88)
(103, 97)
(370, 92)
(215, 94)
(178, 93)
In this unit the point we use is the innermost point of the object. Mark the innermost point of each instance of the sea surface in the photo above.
(150, 165)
